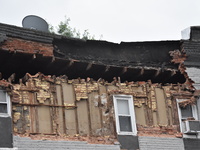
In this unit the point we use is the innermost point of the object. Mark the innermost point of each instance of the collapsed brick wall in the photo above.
(178, 57)
(190, 73)
(58, 106)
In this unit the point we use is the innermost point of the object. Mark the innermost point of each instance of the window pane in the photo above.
(123, 107)
(2, 96)
(125, 124)
(186, 112)
(3, 108)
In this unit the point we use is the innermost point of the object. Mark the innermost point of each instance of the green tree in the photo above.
(65, 29)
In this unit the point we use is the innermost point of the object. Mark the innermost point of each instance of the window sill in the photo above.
(4, 115)
(127, 133)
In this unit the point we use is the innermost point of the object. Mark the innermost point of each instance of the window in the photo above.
(189, 112)
(4, 103)
(186, 112)
(124, 114)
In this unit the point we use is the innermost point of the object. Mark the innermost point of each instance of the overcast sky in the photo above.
(116, 20)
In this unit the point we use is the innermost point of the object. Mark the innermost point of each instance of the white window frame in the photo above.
(8, 105)
(194, 113)
(129, 98)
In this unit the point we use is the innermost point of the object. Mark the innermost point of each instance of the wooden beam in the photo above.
(34, 56)
(71, 62)
(173, 72)
(158, 71)
(124, 70)
(141, 72)
(11, 79)
(107, 68)
(53, 59)
(89, 66)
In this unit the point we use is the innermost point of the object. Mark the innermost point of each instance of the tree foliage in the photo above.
(65, 29)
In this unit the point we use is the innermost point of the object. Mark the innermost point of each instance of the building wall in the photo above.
(47, 105)
(6, 132)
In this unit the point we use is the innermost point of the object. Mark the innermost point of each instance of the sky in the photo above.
(116, 20)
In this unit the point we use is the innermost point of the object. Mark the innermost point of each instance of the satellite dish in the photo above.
(35, 22)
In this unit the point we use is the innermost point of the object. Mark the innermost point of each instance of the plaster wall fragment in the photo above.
(103, 99)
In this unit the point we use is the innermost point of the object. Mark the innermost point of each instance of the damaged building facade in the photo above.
(129, 92)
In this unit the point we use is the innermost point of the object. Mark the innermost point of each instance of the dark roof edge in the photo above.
(40, 36)
(162, 41)
(31, 34)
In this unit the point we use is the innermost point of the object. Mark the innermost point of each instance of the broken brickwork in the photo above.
(26, 46)
(58, 106)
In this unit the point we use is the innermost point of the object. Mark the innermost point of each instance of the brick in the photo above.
(25, 46)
